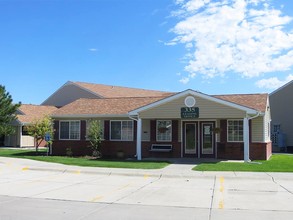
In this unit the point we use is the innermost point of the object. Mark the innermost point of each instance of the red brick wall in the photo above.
(235, 151)
(78, 147)
(110, 148)
(81, 148)
(260, 151)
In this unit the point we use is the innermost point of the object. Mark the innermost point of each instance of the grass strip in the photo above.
(82, 161)
(277, 163)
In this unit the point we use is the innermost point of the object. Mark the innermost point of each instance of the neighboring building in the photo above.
(282, 120)
(146, 123)
(26, 114)
(72, 91)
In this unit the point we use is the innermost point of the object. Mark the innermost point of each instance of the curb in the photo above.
(144, 174)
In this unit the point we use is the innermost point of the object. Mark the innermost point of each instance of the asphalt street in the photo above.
(38, 190)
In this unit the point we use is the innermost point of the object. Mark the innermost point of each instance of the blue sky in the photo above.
(215, 47)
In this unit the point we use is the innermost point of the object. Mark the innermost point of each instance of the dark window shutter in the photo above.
(82, 130)
(175, 130)
(223, 127)
(56, 130)
(153, 130)
(107, 130)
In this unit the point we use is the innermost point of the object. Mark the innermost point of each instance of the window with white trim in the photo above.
(69, 130)
(121, 130)
(235, 130)
(164, 130)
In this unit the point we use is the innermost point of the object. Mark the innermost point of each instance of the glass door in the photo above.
(207, 138)
(190, 138)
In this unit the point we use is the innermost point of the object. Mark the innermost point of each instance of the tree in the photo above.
(95, 137)
(7, 112)
(39, 128)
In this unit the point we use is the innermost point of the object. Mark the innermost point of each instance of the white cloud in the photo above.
(93, 49)
(273, 82)
(247, 37)
(184, 80)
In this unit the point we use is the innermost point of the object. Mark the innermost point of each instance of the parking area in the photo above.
(37, 190)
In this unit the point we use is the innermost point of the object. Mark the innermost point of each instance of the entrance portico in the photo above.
(199, 125)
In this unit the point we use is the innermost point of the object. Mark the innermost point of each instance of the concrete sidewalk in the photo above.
(180, 168)
(41, 190)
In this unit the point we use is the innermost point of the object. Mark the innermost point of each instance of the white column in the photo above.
(246, 139)
(138, 139)
(20, 136)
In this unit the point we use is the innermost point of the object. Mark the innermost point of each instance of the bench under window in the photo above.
(161, 148)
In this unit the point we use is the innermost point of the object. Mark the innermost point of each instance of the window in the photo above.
(277, 128)
(235, 130)
(164, 130)
(69, 130)
(121, 130)
(24, 130)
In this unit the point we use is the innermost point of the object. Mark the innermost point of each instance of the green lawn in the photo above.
(82, 161)
(277, 163)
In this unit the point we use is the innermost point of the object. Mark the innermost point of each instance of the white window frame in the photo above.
(157, 131)
(237, 141)
(69, 131)
(121, 136)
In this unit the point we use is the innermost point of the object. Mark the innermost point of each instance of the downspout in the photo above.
(138, 136)
(246, 136)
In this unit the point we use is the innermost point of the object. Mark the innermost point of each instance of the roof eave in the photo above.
(90, 116)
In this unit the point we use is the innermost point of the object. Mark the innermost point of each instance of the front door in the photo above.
(207, 140)
(190, 140)
(199, 139)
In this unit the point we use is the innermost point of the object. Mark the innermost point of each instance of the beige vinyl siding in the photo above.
(27, 141)
(207, 109)
(257, 132)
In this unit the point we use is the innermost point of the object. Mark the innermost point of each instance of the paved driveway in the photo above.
(38, 190)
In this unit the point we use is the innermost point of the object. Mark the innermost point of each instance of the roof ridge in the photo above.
(126, 87)
(134, 97)
(22, 104)
(241, 94)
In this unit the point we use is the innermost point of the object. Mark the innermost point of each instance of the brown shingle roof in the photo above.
(108, 91)
(34, 112)
(121, 106)
(106, 106)
(254, 101)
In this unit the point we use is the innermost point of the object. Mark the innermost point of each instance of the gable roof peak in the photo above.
(281, 87)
